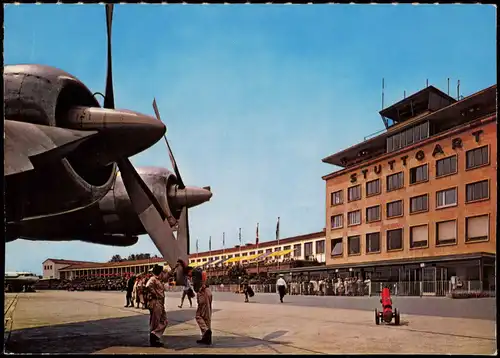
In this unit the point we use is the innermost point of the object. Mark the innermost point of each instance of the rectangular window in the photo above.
(354, 193)
(419, 203)
(477, 157)
(320, 247)
(354, 218)
(419, 174)
(419, 236)
(337, 221)
(395, 181)
(395, 209)
(373, 214)
(297, 250)
(336, 198)
(373, 187)
(477, 228)
(373, 242)
(244, 254)
(260, 251)
(288, 247)
(394, 239)
(269, 251)
(477, 191)
(446, 232)
(276, 249)
(446, 166)
(337, 247)
(308, 249)
(445, 198)
(353, 245)
(252, 253)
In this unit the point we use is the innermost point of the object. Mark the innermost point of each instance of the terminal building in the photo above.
(259, 257)
(419, 201)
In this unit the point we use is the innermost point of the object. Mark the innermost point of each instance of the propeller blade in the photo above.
(171, 155)
(150, 213)
(183, 234)
(109, 98)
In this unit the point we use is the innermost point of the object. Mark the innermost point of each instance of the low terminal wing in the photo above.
(28, 145)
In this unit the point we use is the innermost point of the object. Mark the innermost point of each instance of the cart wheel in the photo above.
(396, 317)
(377, 317)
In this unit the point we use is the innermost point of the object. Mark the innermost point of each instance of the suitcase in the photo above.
(250, 292)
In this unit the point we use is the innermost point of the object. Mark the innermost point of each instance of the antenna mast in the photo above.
(458, 90)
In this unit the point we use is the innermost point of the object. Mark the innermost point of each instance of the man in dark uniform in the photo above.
(130, 288)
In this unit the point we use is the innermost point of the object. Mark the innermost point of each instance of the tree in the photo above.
(116, 258)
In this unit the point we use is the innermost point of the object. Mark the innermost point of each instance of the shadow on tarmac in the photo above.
(184, 342)
(90, 336)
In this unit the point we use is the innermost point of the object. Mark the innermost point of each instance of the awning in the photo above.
(337, 249)
(196, 264)
(251, 257)
(280, 253)
(236, 259)
(263, 256)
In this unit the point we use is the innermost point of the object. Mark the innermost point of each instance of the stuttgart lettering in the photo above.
(419, 155)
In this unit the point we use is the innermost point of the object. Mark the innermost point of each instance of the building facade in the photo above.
(84, 269)
(310, 247)
(52, 267)
(419, 201)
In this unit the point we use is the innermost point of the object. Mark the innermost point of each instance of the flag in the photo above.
(196, 245)
(257, 235)
(210, 243)
(278, 230)
(239, 236)
(224, 240)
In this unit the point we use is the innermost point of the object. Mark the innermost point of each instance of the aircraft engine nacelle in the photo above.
(43, 95)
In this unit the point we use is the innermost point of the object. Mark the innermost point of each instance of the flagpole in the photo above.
(239, 235)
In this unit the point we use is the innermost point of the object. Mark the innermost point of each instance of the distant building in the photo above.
(51, 267)
(418, 202)
(308, 247)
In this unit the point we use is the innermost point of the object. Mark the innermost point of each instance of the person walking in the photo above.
(187, 291)
(130, 289)
(158, 315)
(281, 285)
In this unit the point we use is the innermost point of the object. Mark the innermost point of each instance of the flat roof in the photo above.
(379, 141)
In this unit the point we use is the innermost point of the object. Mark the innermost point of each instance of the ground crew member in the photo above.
(130, 288)
(281, 285)
(158, 315)
(204, 311)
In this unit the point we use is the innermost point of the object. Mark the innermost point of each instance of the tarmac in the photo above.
(96, 322)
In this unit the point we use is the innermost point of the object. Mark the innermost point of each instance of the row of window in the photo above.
(297, 251)
(475, 158)
(47, 267)
(444, 198)
(446, 232)
(408, 137)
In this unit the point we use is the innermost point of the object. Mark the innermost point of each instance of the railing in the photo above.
(404, 288)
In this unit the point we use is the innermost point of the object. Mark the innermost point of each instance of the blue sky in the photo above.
(253, 96)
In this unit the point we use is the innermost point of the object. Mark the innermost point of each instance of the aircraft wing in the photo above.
(27, 144)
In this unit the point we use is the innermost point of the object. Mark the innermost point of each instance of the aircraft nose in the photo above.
(126, 132)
